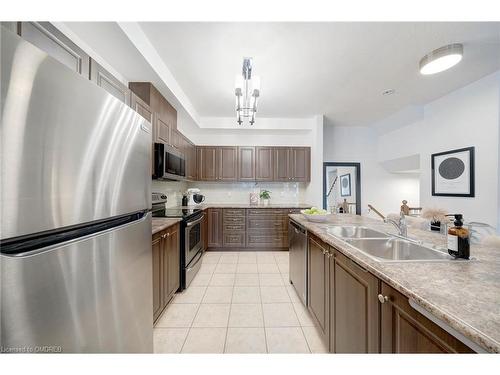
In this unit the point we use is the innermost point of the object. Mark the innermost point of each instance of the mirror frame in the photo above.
(358, 181)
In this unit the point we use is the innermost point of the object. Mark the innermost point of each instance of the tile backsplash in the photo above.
(172, 189)
(239, 192)
(236, 192)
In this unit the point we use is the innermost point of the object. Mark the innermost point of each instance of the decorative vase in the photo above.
(265, 202)
(436, 226)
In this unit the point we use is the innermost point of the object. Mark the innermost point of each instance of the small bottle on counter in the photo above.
(458, 238)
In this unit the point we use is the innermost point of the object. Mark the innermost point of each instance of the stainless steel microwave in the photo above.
(169, 163)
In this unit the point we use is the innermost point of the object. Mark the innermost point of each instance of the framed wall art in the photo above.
(453, 173)
(345, 185)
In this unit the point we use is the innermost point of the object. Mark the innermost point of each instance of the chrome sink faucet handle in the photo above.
(403, 228)
(400, 225)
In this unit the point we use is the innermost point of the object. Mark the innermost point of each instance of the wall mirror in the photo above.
(342, 187)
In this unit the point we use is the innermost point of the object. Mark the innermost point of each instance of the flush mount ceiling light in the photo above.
(247, 90)
(441, 59)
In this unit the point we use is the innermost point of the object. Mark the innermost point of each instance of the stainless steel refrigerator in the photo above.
(75, 263)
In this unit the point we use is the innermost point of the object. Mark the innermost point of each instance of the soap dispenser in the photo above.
(458, 238)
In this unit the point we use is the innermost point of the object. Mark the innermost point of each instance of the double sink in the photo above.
(384, 247)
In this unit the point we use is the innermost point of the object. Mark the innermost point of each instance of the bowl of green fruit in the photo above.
(315, 214)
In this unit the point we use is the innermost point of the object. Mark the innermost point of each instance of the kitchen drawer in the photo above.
(230, 228)
(234, 239)
(273, 224)
(266, 240)
(233, 220)
(265, 212)
(234, 212)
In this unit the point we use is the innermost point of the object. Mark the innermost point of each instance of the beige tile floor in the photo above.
(240, 302)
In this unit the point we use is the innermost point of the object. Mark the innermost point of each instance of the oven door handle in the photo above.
(195, 262)
(189, 224)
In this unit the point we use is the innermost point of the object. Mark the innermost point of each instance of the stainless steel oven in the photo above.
(169, 163)
(193, 248)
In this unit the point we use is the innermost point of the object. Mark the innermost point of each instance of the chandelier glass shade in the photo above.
(247, 90)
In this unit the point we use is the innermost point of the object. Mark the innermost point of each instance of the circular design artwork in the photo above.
(345, 183)
(451, 168)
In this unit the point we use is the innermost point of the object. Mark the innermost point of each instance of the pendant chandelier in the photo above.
(247, 90)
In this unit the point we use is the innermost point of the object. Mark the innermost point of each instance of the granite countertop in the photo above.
(464, 294)
(204, 206)
(160, 223)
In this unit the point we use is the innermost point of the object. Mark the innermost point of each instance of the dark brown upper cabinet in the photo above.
(228, 163)
(102, 78)
(246, 163)
(264, 163)
(217, 163)
(249, 163)
(177, 139)
(161, 129)
(300, 164)
(281, 160)
(292, 164)
(191, 170)
(50, 40)
(207, 163)
(141, 107)
(164, 115)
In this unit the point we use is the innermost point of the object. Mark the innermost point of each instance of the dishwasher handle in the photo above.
(297, 227)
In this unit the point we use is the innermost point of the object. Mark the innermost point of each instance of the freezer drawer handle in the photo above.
(199, 256)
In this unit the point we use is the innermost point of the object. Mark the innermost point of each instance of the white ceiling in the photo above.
(336, 69)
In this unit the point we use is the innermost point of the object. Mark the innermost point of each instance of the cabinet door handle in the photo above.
(383, 299)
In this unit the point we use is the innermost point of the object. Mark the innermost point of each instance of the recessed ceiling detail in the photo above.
(329, 68)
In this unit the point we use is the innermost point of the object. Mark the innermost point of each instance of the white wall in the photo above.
(382, 189)
(466, 117)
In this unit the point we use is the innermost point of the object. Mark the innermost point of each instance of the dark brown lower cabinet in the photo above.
(215, 227)
(405, 330)
(172, 256)
(157, 305)
(166, 267)
(355, 312)
(356, 308)
(318, 285)
(252, 228)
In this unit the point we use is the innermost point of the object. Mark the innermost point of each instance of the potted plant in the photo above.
(265, 195)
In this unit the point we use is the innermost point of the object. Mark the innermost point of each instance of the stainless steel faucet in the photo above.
(400, 225)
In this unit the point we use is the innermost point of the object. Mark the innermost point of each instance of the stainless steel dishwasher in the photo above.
(298, 259)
